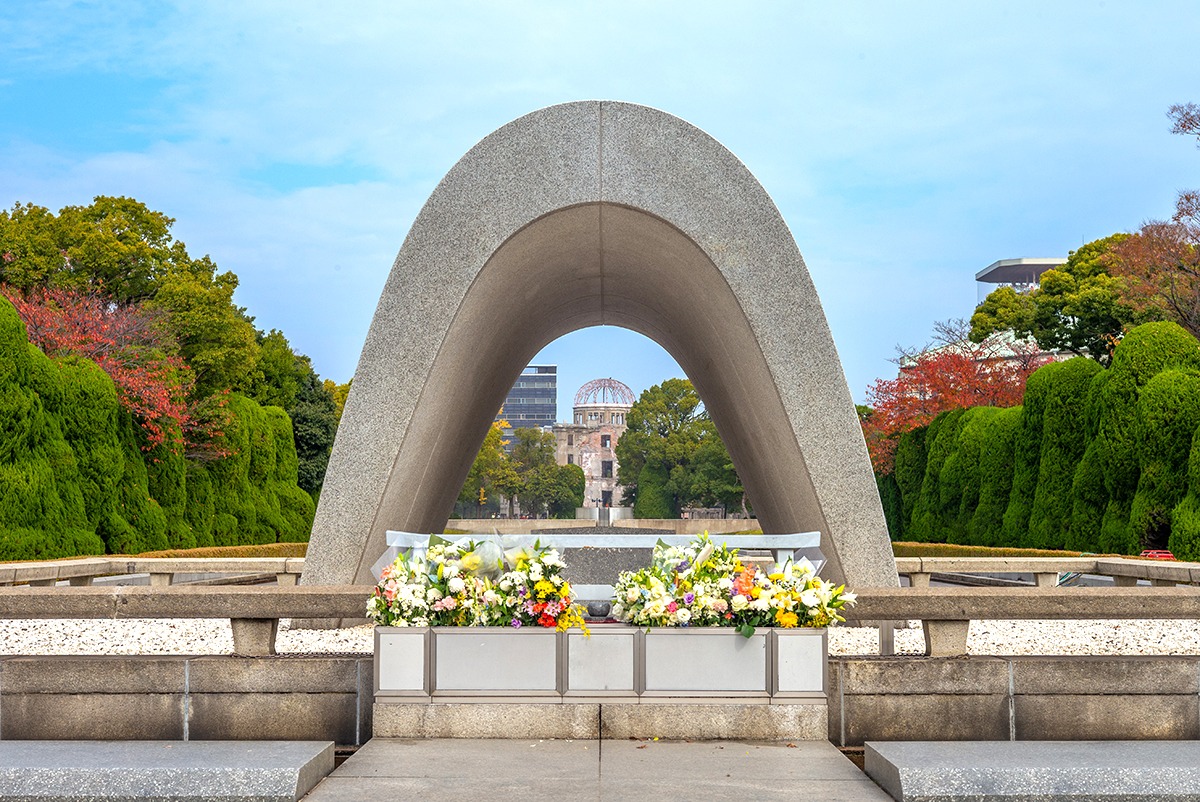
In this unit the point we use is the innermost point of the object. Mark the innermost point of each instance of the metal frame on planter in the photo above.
(789, 663)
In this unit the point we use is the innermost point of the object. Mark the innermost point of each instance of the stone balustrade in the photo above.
(947, 612)
(1046, 569)
(254, 612)
(162, 570)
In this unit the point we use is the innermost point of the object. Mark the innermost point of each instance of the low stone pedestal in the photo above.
(1007, 771)
(166, 770)
(708, 719)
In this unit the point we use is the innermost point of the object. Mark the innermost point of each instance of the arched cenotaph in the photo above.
(587, 214)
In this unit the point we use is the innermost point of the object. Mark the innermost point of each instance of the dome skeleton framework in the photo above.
(604, 392)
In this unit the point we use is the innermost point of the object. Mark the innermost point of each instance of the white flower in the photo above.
(631, 595)
(724, 583)
(432, 595)
(739, 602)
(456, 584)
(683, 615)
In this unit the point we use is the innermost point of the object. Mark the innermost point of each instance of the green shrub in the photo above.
(1027, 454)
(996, 458)
(958, 486)
(1168, 412)
(1089, 496)
(1064, 438)
(42, 509)
(653, 500)
(910, 475)
(940, 439)
(893, 508)
(1144, 353)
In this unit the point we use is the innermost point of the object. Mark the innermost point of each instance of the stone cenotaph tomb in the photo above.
(587, 214)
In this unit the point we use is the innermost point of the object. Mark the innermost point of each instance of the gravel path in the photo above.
(189, 636)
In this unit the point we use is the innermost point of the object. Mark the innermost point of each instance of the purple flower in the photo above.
(683, 566)
(516, 623)
(688, 598)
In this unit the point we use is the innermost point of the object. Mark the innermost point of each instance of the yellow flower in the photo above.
(786, 619)
(471, 561)
(543, 588)
(775, 577)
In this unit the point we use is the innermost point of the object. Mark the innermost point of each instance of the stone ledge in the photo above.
(278, 770)
(666, 720)
(913, 771)
(538, 721)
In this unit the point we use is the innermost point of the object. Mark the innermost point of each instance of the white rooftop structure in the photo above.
(1020, 274)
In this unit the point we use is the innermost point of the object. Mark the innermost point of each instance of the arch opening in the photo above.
(693, 256)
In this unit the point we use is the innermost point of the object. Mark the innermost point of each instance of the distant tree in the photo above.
(338, 392)
(671, 456)
(532, 449)
(214, 335)
(116, 246)
(1160, 264)
(490, 465)
(951, 373)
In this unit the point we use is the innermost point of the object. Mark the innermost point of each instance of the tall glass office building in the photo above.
(533, 400)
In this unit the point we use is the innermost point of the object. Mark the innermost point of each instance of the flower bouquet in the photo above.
(469, 584)
(702, 584)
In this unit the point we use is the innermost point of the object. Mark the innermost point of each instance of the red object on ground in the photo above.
(1158, 554)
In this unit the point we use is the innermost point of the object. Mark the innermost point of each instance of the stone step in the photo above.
(1005, 771)
(168, 770)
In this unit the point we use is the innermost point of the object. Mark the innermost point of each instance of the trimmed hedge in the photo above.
(1064, 438)
(74, 479)
(1095, 460)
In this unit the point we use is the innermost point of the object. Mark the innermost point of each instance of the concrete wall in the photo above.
(329, 697)
(1013, 698)
(186, 698)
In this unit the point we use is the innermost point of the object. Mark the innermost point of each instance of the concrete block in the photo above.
(1106, 717)
(254, 636)
(933, 718)
(98, 717)
(1020, 772)
(79, 770)
(834, 706)
(1096, 674)
(715, 722)
(945, 638)
(72, 674)
(924, 675)
(274, 716)
(486, 720)
(274, 674)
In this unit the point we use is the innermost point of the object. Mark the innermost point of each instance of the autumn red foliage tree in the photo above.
(128, 342)
(950, 373)
(1160, 265)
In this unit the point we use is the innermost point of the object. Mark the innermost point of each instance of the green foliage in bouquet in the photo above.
(702, 584)
(470, 584)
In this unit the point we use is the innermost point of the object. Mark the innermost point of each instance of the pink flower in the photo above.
(672, 607)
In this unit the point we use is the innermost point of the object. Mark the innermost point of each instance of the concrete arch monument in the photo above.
(586, 214)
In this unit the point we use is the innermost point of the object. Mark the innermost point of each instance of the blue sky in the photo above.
(908, 145)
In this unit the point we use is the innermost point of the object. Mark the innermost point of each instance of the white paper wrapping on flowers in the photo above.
(798, 545)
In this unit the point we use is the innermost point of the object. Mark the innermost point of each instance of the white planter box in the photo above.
(604, 664)
(702, 660)
(617, 661)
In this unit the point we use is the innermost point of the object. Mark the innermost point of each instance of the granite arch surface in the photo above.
(585, 214)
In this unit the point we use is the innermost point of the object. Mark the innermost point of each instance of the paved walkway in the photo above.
(532, 771)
